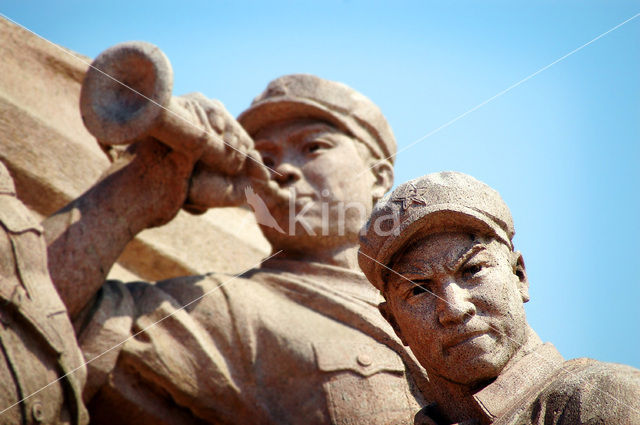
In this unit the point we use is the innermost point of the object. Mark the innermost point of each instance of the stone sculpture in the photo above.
(443, 258)
(41, 368)
(296, 340)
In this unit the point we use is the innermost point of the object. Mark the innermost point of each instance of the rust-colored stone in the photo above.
(455, 289)
(297, 339)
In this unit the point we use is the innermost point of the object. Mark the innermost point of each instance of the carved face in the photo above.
(466, 319)
(322, 165)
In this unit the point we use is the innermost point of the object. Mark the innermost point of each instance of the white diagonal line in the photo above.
(139, 94)
(136, 334)
(511, 87)
(497, 330)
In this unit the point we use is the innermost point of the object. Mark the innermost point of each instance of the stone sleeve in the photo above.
(159, 360)
(611, 395)
(102, 329)
(593, 392)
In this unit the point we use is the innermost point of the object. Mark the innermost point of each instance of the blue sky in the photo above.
(562, 148)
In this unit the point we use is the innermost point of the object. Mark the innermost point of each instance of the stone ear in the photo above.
(520, 271)
(383, 179)
(385, 310)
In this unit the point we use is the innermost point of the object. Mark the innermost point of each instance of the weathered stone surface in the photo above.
(455, 289)
(53, 159)
(296, 340)
(42, 371)
(300, 97)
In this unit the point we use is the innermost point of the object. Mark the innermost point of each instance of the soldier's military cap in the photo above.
(308, 96)
(435, 203)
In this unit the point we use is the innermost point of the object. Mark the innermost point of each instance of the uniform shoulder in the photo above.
(595, 390)
(191, 289)
(602, 373)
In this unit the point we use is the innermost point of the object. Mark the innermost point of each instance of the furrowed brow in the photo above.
(312, 131)
(408, 274)
(265, 144)
(467, 256)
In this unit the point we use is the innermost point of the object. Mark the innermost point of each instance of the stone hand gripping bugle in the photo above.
(126, 96)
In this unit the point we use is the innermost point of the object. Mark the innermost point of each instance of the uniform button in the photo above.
(37, 411)
(364, 360)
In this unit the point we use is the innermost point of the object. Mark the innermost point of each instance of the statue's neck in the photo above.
(456, 401)
(344, 256)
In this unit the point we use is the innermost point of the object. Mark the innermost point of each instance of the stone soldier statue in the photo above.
(297, 340)
(37, 342)
(454, 290)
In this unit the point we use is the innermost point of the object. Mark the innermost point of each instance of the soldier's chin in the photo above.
(286, 238)
(312, 237)
(471, 373)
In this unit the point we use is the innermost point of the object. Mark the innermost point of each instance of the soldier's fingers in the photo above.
(209, 189)
(255, 168)
(272, 193)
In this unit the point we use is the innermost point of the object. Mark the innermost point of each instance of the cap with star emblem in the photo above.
(435, 203)
(308, 96)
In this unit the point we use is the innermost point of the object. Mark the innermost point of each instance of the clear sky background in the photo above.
(562, 148)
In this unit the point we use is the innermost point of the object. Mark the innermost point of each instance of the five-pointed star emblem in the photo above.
(410, 198)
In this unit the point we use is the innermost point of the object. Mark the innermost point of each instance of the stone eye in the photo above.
(420, 287)
(312, 147)
(471, 270)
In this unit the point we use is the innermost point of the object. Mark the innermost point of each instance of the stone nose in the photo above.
(453, 304)
(287, 174)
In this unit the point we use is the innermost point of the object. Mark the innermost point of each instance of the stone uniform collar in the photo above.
(531, 371)
(504, 394)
